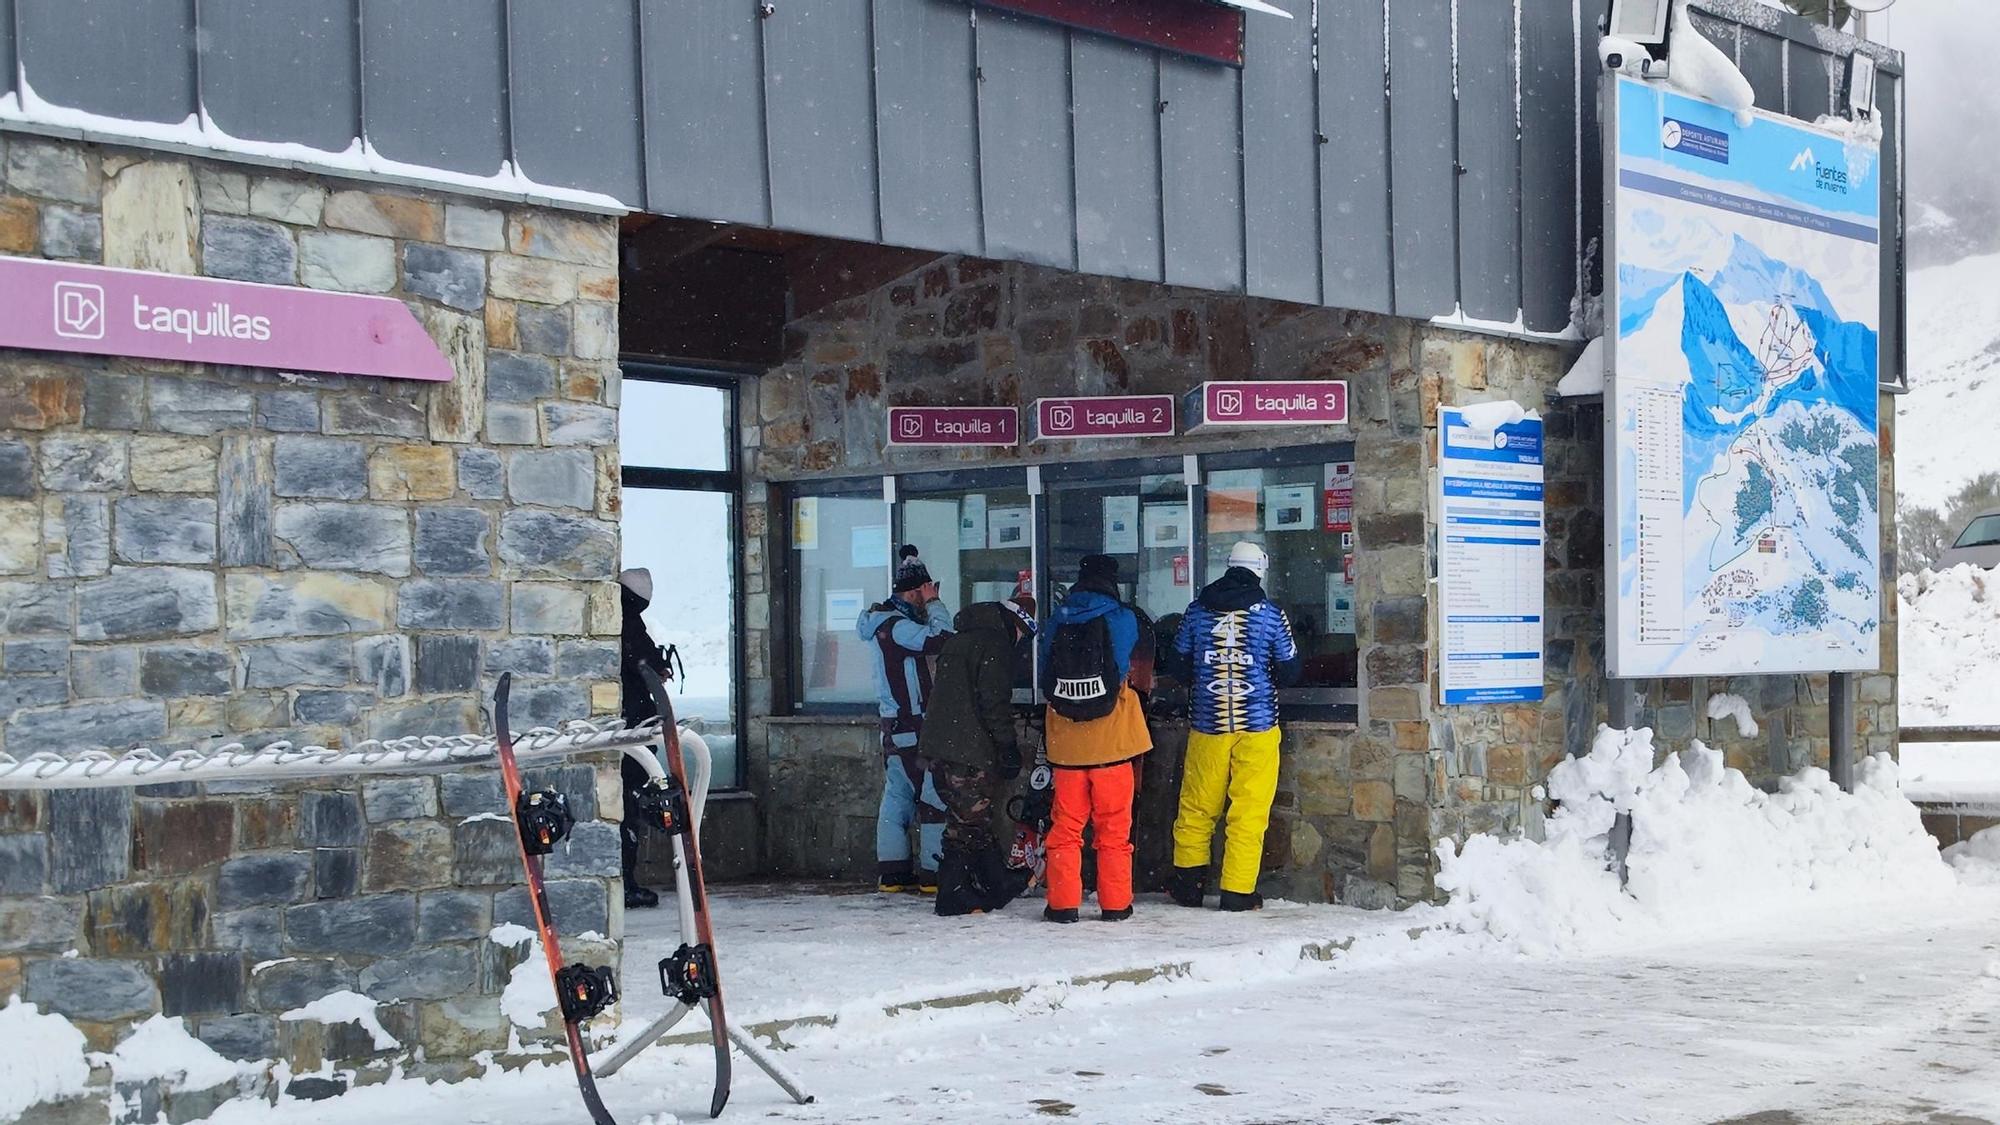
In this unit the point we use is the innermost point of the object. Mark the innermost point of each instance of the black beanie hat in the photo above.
(910, 570)
(1103, 568)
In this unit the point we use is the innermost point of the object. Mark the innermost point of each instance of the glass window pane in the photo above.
(976, 544)
(673, 425)
(1142, 521)
(841, 547)
(687, 540)
(1302, 516)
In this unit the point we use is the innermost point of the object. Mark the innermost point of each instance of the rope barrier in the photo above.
(281, 760)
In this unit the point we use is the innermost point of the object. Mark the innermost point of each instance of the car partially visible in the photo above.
(1978, 543)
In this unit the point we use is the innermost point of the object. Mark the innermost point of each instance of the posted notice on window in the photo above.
(1490, 559)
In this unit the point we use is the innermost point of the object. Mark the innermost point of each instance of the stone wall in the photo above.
(193, 555)
(1359, 808)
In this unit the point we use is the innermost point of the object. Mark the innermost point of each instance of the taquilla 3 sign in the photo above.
(100, 310)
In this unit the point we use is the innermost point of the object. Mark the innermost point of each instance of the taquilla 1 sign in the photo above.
(100, 310)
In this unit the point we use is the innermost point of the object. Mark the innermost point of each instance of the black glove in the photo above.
(1010, 763)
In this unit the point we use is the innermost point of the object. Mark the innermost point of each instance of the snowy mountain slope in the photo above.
(1949, 423)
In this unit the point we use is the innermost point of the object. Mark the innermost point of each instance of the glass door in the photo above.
(679, 521)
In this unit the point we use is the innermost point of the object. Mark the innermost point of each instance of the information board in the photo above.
(1490, 560)
(1743, 523)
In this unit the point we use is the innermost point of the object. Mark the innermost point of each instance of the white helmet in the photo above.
(1250, 557)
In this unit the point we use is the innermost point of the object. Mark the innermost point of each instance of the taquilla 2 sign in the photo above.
(100, 310)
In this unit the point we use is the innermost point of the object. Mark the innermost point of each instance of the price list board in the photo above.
(1490, 553)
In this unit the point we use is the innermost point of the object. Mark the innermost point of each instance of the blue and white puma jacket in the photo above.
(1235, 649)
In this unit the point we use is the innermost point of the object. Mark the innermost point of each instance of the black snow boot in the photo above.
(639, 898)
(999, 883)
(1236, 901)
(1051, 914)
(957, 890)
(1188, 885)
(1114, 915)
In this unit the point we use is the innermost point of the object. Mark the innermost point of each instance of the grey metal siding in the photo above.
(1281, 159)
(1117, 158)
(704, 106)
(1024, 141)
(434, 82)
(574, 84)
(927, 125)
(1355, 262)
(1762, 58)
(1318, 171)
(9, 60)
(1489, 159)
(291, 73)
(1809, 82)
(1422, 157)
(819, 118)
(1201, 174)
(115, 58)
(1548, 164)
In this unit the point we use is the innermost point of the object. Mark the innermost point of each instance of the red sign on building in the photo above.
(1057, 419)
(1203, 28)
(1298, 403)
(98, 310)
(954, 425)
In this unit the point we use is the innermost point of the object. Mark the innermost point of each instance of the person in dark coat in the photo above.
(970, 742)
(636, 650)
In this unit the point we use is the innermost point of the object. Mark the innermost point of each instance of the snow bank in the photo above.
(1586, 375)
(530, 994)
(1698, 67)
(1977, 860)
(1726, 706)
(1948, 636)
(162, 1048)
(41, 1059)
(347, 1007)
(1710, 852)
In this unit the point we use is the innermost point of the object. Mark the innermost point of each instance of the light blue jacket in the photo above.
(900, 636)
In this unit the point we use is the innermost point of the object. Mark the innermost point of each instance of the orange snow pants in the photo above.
(1102, 796)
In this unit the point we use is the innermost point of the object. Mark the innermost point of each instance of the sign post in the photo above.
(954, 425)
(1743, 528)
(1061, 419)
(1490, 568)
(99, 310)
(1217, 405)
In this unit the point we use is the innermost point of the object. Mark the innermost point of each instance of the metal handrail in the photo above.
(1950, 734)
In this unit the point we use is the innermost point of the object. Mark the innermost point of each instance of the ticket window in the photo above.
(1298, 505)
(974, 532)
(840, 551)
(1137, 512)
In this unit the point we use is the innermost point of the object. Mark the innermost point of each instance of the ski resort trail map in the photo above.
(1743, 405)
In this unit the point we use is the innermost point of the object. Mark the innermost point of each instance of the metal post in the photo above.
(1623, 703)
(1840, 721)
(1623, 706)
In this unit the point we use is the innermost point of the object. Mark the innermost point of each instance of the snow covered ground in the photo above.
(1949, 634)
(1804, 953)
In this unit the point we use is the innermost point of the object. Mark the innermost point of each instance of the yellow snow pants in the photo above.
(1244, 769)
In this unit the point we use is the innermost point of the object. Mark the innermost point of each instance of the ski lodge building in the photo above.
(504, 297)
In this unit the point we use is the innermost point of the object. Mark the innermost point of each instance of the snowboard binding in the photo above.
(688, 974)
(545, 820)
(666, 806)
(584, 991)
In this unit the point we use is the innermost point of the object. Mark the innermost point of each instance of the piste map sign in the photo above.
(1745, 521)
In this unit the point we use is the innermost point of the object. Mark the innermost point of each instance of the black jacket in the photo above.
(969, 719)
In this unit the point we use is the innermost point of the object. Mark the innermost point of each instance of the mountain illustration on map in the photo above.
(1779, 474)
